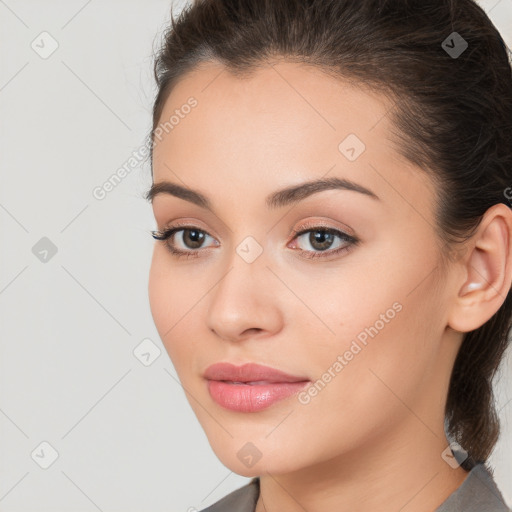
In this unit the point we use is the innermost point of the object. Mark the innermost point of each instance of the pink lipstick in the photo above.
(250, 387)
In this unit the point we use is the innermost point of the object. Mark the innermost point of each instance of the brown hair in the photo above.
(452, 117)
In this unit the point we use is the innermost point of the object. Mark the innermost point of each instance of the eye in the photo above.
(321, 239)
(191, 238)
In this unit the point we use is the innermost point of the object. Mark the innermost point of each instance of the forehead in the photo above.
(284, 123)
(278, 111)
(285, 101)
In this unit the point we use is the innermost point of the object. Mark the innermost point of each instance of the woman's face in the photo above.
(364, 322)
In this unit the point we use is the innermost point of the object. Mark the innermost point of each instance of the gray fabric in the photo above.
(241, 500)
(478, 493)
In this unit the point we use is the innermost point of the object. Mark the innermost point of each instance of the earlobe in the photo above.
(487, 271)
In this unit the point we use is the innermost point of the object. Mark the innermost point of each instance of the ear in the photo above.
(487, 271)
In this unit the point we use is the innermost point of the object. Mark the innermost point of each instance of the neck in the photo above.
(396, 472)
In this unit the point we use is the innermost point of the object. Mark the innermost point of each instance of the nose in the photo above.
(244, 303)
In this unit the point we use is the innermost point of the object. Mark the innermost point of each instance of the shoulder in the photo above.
(240, 500)
(478, 493)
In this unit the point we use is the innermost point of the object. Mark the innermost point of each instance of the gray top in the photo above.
(478, 493)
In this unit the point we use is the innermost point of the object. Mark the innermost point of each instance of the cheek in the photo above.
(164, 297)
(383, 315)
(174, 305)
(157, 284)
(354, 300)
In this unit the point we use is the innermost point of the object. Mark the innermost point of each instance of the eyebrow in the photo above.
(284, 197)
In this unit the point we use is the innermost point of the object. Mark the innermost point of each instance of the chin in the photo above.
(251, 459)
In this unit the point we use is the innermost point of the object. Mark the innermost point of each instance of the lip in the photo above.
(249, 372)
(251, 387)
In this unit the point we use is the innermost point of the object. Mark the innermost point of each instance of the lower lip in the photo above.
(251, 398)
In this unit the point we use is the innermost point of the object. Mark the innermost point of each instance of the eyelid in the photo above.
(328, 225)
(187, 224)
(309, 226)
(169, 231)
(306, 225)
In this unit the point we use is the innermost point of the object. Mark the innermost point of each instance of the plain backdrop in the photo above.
(87, 422)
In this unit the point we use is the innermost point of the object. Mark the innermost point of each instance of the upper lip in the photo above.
(248, 372)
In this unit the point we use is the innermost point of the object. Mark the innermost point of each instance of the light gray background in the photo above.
(126, 437)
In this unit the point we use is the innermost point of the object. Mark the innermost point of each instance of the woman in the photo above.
(332, 272)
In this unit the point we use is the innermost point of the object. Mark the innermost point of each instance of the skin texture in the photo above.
(372, 438)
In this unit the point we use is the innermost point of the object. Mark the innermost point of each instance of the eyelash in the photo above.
(166, 234)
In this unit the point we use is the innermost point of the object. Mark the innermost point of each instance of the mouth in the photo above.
(251, 397)
(251, 387)
(249, 373)
(250, 383)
